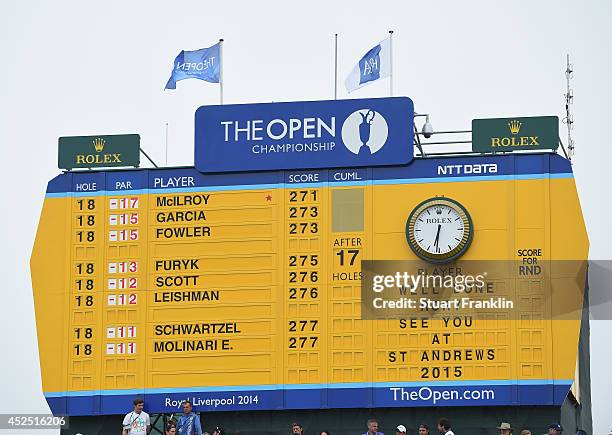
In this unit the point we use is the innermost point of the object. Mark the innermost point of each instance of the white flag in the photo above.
(374, 65)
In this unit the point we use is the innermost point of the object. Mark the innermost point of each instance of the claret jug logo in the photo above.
(514, 140)
(364, 132)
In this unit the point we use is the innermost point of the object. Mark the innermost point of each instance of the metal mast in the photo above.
(569, 99)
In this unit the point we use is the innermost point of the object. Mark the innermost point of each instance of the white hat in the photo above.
(401, 428)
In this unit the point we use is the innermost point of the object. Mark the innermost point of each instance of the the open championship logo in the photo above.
(364, 132)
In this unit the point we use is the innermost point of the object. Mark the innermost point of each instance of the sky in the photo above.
(99, 67)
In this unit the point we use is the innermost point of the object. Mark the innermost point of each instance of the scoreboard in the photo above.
(242, 291)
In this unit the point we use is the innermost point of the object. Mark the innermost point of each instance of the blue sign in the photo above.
(317, 396)
(300, 135)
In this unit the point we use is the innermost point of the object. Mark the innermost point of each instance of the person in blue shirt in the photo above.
(189, 422)
(373, 427)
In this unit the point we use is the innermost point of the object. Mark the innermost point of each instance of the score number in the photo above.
(347, 256)
(303, 212)
(304, 269)
(89, 204)
(123, 203)
(303, 292)
(302, 195)
(81, 300)
(299, 326)
(85, 220)
(303, 228)
(441, 372)
(303, 260)
(84, 349)
(303, 276)
(83, 333)
(86, 236)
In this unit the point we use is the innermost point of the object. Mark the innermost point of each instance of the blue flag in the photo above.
(203, 64)
(374, 65)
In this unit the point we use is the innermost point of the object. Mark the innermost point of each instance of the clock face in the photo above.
(439, 230)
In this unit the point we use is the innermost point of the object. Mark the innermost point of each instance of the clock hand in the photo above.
(437, 236)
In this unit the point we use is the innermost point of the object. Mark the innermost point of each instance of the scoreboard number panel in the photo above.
(350, 337)
(213, 288)
(86, 271)
(305, 284)
(175, 283)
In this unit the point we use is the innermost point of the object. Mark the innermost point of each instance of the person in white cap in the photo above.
(401, 429)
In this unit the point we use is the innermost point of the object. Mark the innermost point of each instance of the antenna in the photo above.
(569, 100)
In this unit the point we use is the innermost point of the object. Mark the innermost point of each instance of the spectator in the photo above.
(555, 429)
(423, 429)
(297, 429)
(218, 431)
(373, 427)
(444, 427)
(170, 429)
(324, 432)
(505, 429)
(401, 429)
(136, 422)
(189, 422)
(525, 432)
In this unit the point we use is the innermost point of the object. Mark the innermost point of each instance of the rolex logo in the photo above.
(514, 140)
(515, 126)
(438, 210)
(98, 144)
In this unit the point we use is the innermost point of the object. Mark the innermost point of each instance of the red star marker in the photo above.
(269, 197)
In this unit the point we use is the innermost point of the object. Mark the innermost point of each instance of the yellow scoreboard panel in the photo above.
(243, 291)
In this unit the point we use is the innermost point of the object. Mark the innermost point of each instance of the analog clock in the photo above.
(439, 230)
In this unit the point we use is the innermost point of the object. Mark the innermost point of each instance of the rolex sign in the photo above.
(99, 151)
(515, 134)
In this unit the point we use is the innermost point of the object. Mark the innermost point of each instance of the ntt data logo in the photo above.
(364, 132)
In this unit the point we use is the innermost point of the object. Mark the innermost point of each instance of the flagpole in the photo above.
(166, 144)
(391, 63)
(336, 66)
(221, 71)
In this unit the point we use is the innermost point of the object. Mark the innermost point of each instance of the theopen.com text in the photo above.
(434, 396)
